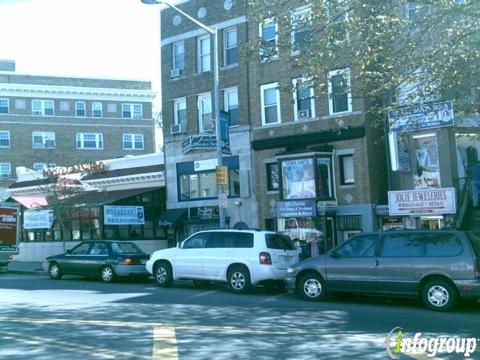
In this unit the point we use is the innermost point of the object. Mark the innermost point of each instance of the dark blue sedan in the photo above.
(104, 259)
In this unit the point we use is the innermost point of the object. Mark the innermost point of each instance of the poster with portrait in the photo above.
(403, 152)
(298, 179)
(428, 167)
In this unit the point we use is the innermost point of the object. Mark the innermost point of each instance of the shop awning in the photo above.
(30, 202)
(171, 217)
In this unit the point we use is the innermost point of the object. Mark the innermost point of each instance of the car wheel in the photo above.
(439, 295)
(107, 274)
(163, 274)
(239, 279)
(312, 287)
(54, 271)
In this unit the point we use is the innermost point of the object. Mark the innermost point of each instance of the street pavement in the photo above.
(76, 318)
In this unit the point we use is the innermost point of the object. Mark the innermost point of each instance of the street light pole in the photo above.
(216, 88)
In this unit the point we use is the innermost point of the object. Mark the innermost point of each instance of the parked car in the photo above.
(439, 266)
(239, 257)
(106, 259)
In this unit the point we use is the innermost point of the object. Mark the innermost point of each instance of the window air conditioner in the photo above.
(176, 129)
(175, 73)
(302, 114)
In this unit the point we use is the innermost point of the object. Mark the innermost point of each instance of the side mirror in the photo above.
(334, 255)
(179, 245)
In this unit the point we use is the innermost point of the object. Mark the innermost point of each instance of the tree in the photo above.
(398, 51)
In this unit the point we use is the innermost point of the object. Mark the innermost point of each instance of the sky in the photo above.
(91, 38)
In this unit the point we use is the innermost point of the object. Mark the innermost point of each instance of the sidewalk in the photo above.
(26, 267)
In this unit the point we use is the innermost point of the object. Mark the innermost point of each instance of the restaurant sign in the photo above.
(422, 202)
(38, 219)
(123, 215)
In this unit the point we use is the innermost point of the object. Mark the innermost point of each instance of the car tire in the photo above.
(107, 274)
(54, 271)
(439, 295)
(238, 279)
(312, 287)
(162, 274)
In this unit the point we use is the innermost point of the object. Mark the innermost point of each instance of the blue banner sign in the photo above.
(297, 208)
(419, 117)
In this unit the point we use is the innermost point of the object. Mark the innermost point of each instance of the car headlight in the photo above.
(291, 270)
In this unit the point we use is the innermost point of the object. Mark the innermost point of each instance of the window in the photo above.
(4, 139)
(203, 185)
(303, 98)
(133, 142)
(442, 245)
(97, 109)
(230, 46)
(360, 246)
(5, 170)
(268, 39)
(132, 111)
(402, 245)
(89, 141)
(219, 240)
(325, 188)
(80, 108)
(197, 241)
(43, 140)
(42, 166)
(339, 92)
(230, 100)
(301, 23)
(347, 175)
(180, 112)
(82, 249)
(337, 15)
(178, 57)
(270, 99)
(42, 107)
(281, 242)
(205, 122)
(203, 51)
(298, 179)
(273, 182)
(3, 106)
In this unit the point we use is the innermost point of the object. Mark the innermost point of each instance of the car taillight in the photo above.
(265, 258)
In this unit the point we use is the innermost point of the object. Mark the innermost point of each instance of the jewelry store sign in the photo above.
(422, 202)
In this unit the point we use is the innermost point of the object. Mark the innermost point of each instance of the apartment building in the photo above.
(304, 161)
(48, 121)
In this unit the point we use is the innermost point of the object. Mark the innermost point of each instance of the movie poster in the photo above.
(428, 167)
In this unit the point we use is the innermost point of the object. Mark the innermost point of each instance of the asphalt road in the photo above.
(76, 318)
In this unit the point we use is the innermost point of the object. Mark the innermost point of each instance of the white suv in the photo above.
(239, 257)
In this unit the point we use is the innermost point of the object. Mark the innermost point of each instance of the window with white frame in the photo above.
(205, 122)
(230, 101)
(43, 140)
(178, 57)
(230, 46)
(339, 91)
(42, 166)
(301, 28)
(80, 108)
(270, 101)
(4, 139)
(132, 111)
(273, 178)
(203, 52)
(337, 15)
(133, 142)
(89, 141)
(303, 98)
(42, 107)
(3, 106)
(268, 30)
(347, 173)
(97, 109)
(5, 170)
(180, 112)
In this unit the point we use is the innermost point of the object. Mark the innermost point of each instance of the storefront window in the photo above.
(298, 179)
(325, 178)
(234, 179)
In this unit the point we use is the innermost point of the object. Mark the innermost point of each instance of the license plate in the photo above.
(286, 258)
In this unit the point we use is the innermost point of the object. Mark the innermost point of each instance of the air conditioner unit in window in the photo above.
(175, 73)
(302, 114)
(176, 129)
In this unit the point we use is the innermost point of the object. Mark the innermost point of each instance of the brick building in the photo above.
(47, 121)
(307, 161)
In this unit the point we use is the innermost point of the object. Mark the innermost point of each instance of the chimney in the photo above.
(7, 65)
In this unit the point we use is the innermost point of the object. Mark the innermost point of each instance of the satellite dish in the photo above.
(240, 226)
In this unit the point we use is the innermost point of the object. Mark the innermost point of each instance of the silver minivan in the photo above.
(439, 266)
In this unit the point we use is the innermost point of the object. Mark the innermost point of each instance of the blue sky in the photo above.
(92, 38)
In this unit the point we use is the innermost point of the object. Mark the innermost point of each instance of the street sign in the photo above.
(222, 175)
(222, 200)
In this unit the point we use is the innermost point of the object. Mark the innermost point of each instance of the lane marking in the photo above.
(164, 343)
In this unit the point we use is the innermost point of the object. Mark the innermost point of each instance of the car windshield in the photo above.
(125, 248)
(276, 241)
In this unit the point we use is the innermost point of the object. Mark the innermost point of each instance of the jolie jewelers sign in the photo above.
(422, 202)
(123, 215)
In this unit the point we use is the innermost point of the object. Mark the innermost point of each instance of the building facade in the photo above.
(48, 121)
(308, 164)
